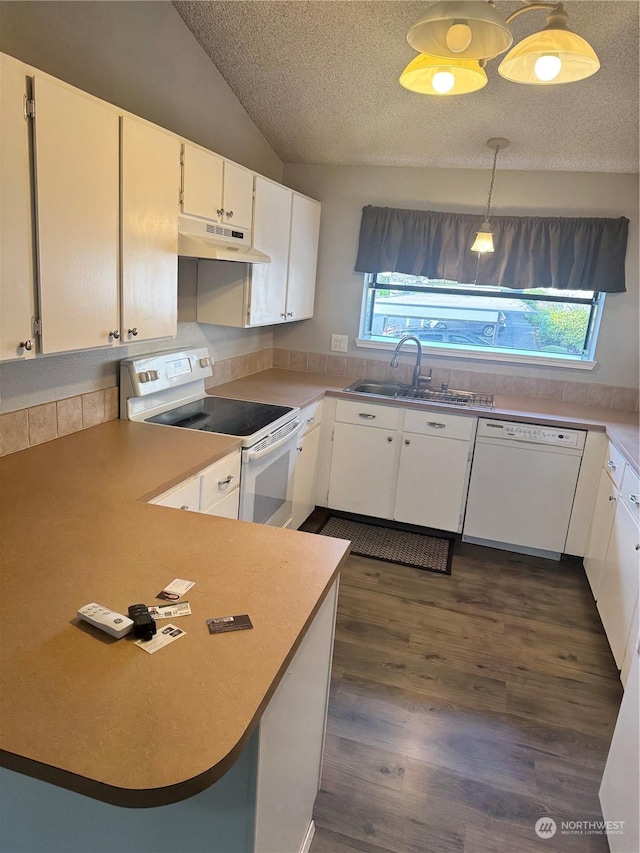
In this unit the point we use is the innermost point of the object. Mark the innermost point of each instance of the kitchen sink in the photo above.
(395, 390)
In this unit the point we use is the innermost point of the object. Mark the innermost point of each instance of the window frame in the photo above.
(585, 361)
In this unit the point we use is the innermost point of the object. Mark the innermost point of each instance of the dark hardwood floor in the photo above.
(464, 708)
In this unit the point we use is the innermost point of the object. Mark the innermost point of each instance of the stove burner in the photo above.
(222, 415)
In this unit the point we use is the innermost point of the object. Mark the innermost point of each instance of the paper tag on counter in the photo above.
(170, 611)
(176, 589)
(222, 624)
(167, 635)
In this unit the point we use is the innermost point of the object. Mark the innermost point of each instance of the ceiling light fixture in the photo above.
(483, 244)
(456, 38)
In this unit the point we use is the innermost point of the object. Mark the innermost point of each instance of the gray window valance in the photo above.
(530, 251)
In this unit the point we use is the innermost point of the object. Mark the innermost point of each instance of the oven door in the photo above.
(266, 482)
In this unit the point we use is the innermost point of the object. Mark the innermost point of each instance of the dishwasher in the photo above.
(522, 487)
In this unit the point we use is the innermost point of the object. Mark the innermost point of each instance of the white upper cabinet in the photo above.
(271, 231)
(149, 200)
(215, 189)
(16, 226)
(77, 208)
(303, 256)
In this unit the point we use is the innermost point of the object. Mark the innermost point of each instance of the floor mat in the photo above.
(418, 550)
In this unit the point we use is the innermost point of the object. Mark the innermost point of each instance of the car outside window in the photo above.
(447, 315)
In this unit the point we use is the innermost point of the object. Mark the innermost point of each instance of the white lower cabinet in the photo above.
(620, 791)
(618, 590)
(406, 465)
(306, 474)
(600, 533)
(214, 491)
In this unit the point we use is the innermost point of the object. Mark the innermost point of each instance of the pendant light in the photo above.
(483, 244)
(431, 75)
(456, 38)
(552, 56)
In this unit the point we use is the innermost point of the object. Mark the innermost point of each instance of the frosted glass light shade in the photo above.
(578, 59)
(490, 35)
(419, 75)
(483, 244)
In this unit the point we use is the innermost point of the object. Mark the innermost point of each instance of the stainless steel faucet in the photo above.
(418, 379)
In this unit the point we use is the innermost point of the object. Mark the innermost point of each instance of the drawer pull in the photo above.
(611, 498)
(366, 416)
(637, 547)
(634, 499)
(311, 420)
(435, 425)
(389, 438)
(406, 441)
(226, 481)
(612, 465)
(184, 506)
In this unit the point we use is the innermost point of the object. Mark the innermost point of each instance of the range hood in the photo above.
(198, 238)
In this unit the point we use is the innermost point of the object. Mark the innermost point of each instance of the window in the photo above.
(540, 323)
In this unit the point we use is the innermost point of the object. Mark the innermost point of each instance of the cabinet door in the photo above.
(619, 792)
(228, 507)
(77, 206)
(238, 196)
(17, 286)
(432, 482)
(303, 257)
(601, 525)
(271, 227)
(201, 183)
(150, 186)
(362, 469)
(304, 483)
(619, 583)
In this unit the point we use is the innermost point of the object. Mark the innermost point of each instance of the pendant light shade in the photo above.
(483, 244)
(431, 75)
(558, 50)
(466, 29)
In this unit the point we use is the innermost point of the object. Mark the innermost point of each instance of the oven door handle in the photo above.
(254, 455)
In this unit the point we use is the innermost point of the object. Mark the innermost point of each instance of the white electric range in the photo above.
(168, 389)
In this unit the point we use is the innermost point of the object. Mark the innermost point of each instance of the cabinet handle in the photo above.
(289, 314)
(611, 498)
(611, 465)
(184, 506)
(435, 425)
(133, 331)
(389, 438)
(637, 547)
(299, 449)
(634, 499)
(226, 481)
(28, 345)
(283, 314)
(220, 211)
(367, 416)
(406, 441)
(311, 420)
(229, 214)
(115, 334)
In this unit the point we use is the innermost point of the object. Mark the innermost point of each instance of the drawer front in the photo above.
(311, 416)
(615, 464)
(184, 496)
(367, 414)
(218, 480)
(228, 507)
(630, 492)
(442, 425)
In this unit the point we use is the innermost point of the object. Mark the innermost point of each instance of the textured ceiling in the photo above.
(320, 80)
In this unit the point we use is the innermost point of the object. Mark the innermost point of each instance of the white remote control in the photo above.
(107, 620)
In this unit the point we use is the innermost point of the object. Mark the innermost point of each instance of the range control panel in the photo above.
(149, 374)
(532, 433)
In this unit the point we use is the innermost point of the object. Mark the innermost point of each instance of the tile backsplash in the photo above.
(35, 425)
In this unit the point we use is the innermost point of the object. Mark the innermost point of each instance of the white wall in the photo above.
(345, 190)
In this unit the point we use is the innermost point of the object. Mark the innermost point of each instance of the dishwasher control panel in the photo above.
(531, 433)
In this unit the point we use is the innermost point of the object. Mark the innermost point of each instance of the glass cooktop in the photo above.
(223, 415)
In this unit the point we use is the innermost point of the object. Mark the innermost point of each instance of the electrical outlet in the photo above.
(339, 343)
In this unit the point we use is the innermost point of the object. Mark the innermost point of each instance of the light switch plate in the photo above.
(339, 343)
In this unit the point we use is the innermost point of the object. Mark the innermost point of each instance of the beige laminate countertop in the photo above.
(98, 715)
(296, 388)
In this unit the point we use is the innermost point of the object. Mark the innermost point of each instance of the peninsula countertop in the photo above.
(98, 715)
(297, 388)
